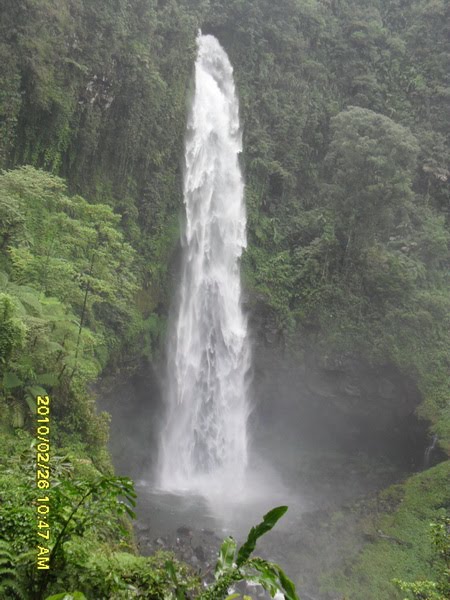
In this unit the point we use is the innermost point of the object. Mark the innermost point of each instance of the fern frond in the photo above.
(5, 560)
(5, 556)
(15, 590)
(26, 557)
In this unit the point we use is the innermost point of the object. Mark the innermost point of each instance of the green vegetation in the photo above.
(67, 296)
(434, 590)
(91, 542)
(406, 546)
(345, 111)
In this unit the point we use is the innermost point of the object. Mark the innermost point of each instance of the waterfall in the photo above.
(429, 452)
(204, 442)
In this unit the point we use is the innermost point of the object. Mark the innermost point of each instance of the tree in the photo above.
(370, 165)
(73, 250)
(12, 332)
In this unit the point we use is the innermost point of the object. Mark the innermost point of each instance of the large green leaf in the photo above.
(268, 522)
(179, 593)
(170, 568)
(272, 577)
(266, 579)
(287, 585)
(226, 557)
(31, 403)
(47, 378)
(11, 381)
(36, 390)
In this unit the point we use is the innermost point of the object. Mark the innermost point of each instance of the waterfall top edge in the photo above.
(213, 56)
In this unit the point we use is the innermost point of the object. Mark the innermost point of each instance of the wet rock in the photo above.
(199, 553)
(352, 390)
(184, 531)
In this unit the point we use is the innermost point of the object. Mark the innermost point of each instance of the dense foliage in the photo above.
(67, 290)
(346, 117)
(406, 524)
(90, 541)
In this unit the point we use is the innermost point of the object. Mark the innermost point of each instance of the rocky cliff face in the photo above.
(338, 400)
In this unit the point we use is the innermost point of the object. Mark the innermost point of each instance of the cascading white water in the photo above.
(204, 442)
